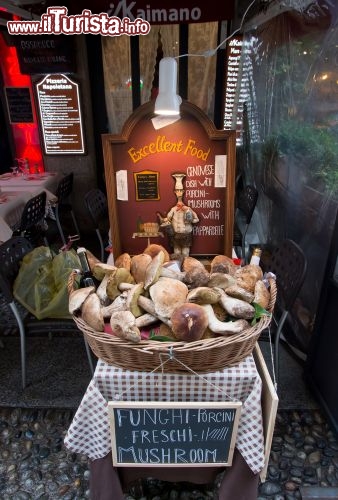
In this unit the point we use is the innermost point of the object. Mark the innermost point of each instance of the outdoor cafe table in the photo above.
(89, 432)
(15, 192)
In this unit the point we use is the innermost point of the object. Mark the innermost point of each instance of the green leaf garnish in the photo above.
(160, 338)
(259, 312)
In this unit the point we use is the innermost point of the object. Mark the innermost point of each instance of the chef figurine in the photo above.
(179, 221)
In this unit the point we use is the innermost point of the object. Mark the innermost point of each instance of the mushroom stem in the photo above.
(166, 272)
(119, 304)
(102, 291)
(236, 307)
(145, 320)
(223, 327)
(124, 326)
(149, 306)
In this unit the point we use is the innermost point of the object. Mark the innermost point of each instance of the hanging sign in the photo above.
(174, 434)
(160, 11)
(60, 112)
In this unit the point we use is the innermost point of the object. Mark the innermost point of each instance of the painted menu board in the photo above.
(60, 112)
(141, 168)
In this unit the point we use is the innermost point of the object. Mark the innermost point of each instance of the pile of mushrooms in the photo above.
(189, 301)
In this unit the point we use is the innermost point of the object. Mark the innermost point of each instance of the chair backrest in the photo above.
(96, 203)
(12, 252)
(288, 262)
(65, 187)
(247, 201)
(34, 211)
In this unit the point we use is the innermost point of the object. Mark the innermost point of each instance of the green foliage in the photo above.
(313, 149)
(259, 312)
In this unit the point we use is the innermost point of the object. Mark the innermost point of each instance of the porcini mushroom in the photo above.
(91, 312)
(77, 298)
(132, 299)
(118, 304)
(124, 326)
(195, 273)
(203, 295)
(222, 264)
(153, 270)
(236, 307)
(138, 266)
(167, 294)
(123, 260)
(120, 275)
(223, 327)
(189, 322)
(100, 270)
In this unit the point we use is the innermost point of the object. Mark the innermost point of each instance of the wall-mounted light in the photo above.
(167, 101)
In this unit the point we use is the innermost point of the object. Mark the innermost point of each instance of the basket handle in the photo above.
(71, 281)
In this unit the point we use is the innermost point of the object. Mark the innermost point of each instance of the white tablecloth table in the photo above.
(89, 432)
(15, 192)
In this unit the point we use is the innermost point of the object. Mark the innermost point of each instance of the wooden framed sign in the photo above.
(175, 434)
(144, 159)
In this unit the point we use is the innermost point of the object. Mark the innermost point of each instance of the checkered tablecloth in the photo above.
(89, 432)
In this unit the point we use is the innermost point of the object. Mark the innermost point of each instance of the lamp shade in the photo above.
(167, 101)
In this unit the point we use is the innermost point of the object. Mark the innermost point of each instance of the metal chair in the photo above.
(246, 201)
(31, 224)
(64, 204)
(97, 206)
(288, 262)
(13, 314)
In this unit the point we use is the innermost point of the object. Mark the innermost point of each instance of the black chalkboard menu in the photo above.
(19, 104)
(146, 183)
(173, 434)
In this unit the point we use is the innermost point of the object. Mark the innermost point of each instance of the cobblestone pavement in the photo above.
(34, 464)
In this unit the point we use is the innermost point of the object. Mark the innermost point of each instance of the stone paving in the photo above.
(35, 465)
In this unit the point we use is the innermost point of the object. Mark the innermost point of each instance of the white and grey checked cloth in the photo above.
(89, 432)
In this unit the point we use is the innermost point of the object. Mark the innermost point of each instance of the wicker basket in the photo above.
(200, 356)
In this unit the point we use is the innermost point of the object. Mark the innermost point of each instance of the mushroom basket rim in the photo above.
(201, 356)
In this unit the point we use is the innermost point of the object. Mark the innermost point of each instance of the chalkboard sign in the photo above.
(19, 104)
(146, 183)
(173, 434)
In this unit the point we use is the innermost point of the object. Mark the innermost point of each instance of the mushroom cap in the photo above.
(221, 280)
(240, 293)
(100, 269)
(123, 260)
(120, 275)
(167, 294)
(123, 325)
(138, 266)
(153, 270)
(77, 298)
(189, 322)
(249, 269)
(262, 294)
(153, 249)
(91, 312)
(222, 264)
(203, 295)
(195, 273)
